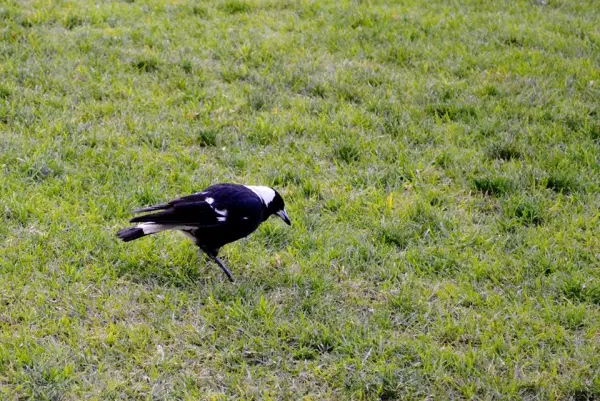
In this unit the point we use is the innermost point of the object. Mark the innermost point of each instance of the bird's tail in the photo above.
(133, 233)
(130, 233)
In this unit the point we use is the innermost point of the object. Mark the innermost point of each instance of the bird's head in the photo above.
(273, 201)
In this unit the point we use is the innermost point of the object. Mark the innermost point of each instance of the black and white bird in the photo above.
(220, 214)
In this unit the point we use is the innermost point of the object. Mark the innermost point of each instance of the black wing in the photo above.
(198, 214)
(197, 197)
(218, 205)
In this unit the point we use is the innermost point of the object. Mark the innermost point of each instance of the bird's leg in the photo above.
(213, 255)
(222, 266)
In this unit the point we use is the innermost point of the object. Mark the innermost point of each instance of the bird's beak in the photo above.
(284, 217)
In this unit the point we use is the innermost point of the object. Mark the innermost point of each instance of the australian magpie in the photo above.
(220, 214)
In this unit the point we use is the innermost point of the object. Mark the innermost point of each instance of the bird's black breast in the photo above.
(216, 237)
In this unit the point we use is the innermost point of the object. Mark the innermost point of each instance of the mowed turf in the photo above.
(440, 162)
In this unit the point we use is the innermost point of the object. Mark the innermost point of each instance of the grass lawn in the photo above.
(440, 161)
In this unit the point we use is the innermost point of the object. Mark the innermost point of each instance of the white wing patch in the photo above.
(221, 212)
(210, 201)
(221, 218)
(265, 193)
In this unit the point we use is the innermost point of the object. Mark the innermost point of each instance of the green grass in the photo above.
(440, 161)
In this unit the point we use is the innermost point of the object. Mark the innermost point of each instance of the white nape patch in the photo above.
(265, 193)
(152, 228)
(221, 218)
(210, 201)
(221, 212)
